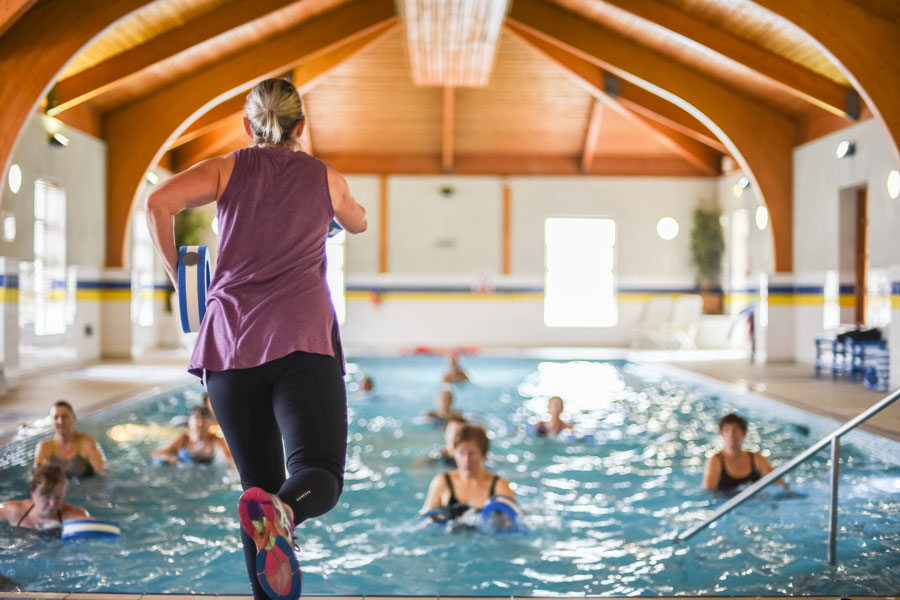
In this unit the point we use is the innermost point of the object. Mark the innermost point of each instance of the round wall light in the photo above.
(667, 228)
(215, 225)
(893, 183)
(762, 217)
(15, 178)
(845, 148)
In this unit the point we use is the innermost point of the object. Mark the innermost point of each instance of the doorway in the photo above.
(853, 250)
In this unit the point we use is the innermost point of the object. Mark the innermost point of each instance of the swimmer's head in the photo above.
(63, 416)
(48, 489)
(470, 447)
(199, 417)
(273, 111)
(555, 406)
(733, 429)
(452, 427)
(367, 384)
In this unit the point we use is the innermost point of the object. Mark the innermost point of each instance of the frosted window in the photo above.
(579, 285)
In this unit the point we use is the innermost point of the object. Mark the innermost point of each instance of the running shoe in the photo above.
(266, 519)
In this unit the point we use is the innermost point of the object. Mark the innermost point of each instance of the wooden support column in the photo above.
(759, 137)
(36, 47)
(447, 130)
(862, 43)
(383, 229)
(133, 146)
(507, 228)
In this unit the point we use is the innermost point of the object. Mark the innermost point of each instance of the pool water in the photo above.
(601, 514)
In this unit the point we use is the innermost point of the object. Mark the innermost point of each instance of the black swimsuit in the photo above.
(454, 507)
(728, 483)
(58, 514)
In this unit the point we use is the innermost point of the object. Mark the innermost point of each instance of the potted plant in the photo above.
(707, 249)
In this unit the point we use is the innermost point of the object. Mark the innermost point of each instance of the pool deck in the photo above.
(98, 385)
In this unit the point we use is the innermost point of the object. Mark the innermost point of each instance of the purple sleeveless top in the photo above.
(268, 296)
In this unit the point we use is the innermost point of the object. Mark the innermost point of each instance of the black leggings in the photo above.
(295, 405)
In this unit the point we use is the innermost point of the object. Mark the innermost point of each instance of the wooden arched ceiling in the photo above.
(555, 104)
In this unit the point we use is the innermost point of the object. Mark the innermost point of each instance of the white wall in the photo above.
(819, 180)
(442, 247)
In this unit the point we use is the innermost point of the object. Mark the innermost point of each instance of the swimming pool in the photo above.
(602, 515)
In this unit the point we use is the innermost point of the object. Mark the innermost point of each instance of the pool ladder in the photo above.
(834, 438)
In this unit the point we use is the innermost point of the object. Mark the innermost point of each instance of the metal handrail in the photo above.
(834, 439)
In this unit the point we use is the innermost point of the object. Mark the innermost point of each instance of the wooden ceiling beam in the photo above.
(132, 146)
(598, 82)
(513, 164)
(704, 158)
(759, 137)
(34, 50)
(232, 109)
(99, 78)
(791, 77)
(703, 153)
(864, 45)
(447, 129)
(11, 10)
(592, 136)
(215, 118)
(211, 144)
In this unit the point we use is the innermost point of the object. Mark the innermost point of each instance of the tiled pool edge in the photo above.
(880, 446)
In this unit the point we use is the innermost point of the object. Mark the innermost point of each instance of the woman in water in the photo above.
(555, 425)
(733, 466)
(269, 346)
(76, 453)
(46, 509)
(470, 485)
(197, 445)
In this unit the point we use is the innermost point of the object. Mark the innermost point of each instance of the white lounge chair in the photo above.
(680, 332)
(646, 333)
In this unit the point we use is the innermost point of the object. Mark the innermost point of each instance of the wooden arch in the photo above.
(37, 46)
(757, 136)
(864, 45)
(139, 133)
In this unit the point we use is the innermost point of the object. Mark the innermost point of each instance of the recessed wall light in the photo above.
(667, 228)
(215, 225)
(152, 177)
(844, 149)
(893, 184)
(58, 139)
(15, 178)
(762, 217)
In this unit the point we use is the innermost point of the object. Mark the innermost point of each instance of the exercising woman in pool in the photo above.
(733, 467)
(199, 444)
(555, 425)
(269, 345)
(470, 485)
(47, 508)
(76, 453)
